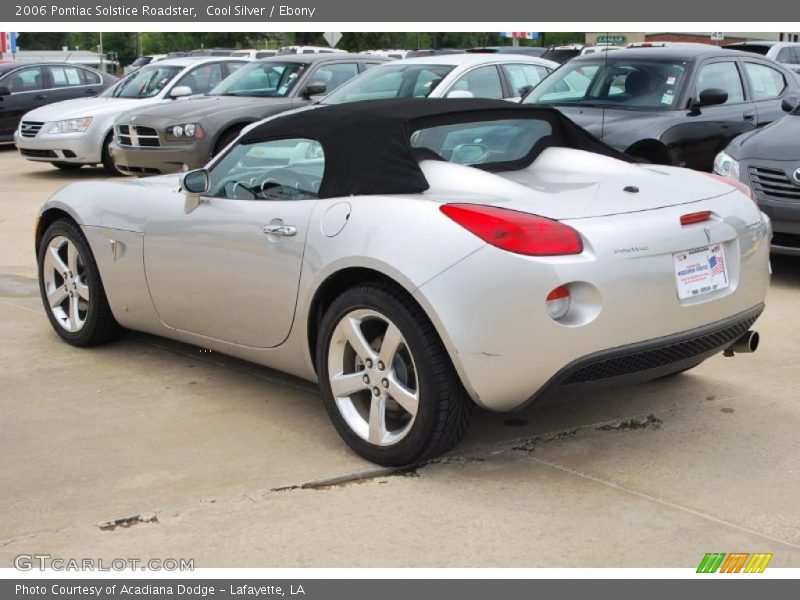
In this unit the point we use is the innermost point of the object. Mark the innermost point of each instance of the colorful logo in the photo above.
(736, 562)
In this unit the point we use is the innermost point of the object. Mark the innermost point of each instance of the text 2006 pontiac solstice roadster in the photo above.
(416, 257)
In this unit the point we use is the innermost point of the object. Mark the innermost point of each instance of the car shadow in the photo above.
(562, 411)
(53, 174)
(566, 411)
(49, 172)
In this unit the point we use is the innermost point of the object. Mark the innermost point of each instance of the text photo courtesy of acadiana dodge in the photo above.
(174, 10)
(193, 590)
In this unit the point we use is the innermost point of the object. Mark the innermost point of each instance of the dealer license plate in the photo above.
(700, 271)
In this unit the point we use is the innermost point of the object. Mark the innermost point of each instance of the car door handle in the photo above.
(90, 92)
(279, 229)
(749, 115)
(40, 97)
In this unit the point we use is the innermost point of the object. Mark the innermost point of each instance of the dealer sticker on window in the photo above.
(700, 271)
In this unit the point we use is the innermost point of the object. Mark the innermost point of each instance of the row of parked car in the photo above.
(693, 105)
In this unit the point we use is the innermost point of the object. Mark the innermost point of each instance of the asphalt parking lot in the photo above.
(151, 449)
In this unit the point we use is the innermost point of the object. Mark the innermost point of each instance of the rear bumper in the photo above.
(645, 361)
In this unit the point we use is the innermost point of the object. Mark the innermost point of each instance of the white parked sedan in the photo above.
(494, 76)
(78, 132)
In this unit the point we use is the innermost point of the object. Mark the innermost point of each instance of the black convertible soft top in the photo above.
(367, 144)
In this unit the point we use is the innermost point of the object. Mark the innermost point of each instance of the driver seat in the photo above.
(637, 83)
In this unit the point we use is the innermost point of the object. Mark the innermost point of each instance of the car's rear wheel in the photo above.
(71, 289)
(388, 384)
(65, 166)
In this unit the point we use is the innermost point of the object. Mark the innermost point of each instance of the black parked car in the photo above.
(25, 86)
(768, 160)
(677, 105)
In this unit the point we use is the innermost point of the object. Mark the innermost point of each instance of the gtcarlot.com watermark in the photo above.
(43, 562)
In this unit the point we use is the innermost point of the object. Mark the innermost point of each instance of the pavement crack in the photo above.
(530, 444)
(455, 459)
(126, 522)
(637, 422)
(369, 475)
(26, 536)
(351, 478)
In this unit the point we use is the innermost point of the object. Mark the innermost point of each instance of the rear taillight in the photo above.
(742, 187)
(514, 231)
(697, 217)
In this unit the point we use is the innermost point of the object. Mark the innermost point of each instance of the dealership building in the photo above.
(705, 37)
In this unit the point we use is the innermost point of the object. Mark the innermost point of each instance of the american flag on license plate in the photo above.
(716, 264)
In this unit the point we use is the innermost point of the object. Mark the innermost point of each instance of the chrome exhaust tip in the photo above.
(747, 343)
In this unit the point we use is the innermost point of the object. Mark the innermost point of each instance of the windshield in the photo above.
(268, 79)
(616, 83)
(110, 91)
(146, 82)
(395, 81)
(761, 49)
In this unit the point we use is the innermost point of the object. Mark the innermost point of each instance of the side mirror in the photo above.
(524, 90)
(195, 182)
(460, 94)
(315, 89)
(710, 97)
(4, 91)
(180, 91)
(790, 102)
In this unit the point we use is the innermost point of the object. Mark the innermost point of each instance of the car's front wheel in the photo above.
(107, 158)
(388, 384)
(71, 289)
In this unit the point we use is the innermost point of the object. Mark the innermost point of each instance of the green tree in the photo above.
(129, 45)
(42, 40)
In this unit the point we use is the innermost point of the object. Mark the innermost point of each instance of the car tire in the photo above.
(651, 155)
(420, 366)
(225, 139)
(68, 272)
(64, 166)
(109, 166)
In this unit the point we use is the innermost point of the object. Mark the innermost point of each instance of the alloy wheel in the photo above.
(373, 377)
(65, 284)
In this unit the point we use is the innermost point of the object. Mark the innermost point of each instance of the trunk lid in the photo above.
(572, 184)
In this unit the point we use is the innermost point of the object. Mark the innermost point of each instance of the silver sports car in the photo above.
(416, 257)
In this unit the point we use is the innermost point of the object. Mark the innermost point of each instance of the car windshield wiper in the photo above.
(250, 93)
(579, 104)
